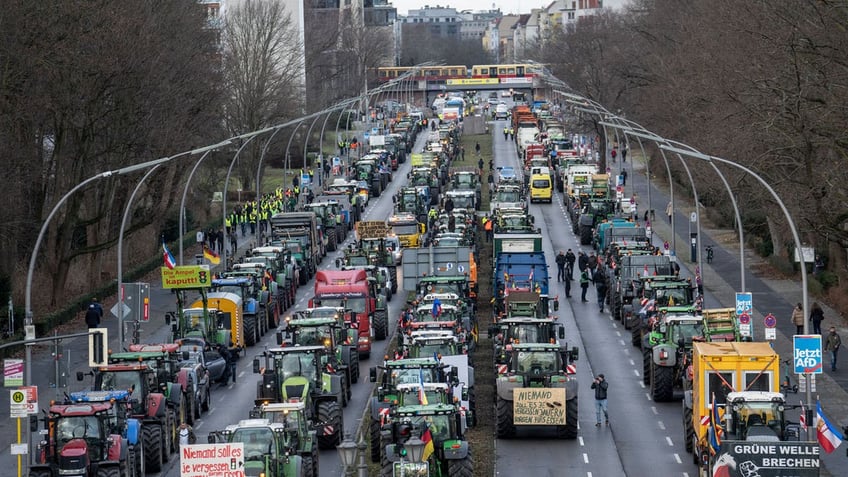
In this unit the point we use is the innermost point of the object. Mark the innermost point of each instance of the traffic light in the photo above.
(98, 347)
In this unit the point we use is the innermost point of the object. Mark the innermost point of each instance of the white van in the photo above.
(501, 111)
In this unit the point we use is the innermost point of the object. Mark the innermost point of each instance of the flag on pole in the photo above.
(715, 429)
(213, 257)
(169, 259)
(422, 395)
(829, 437)
(530, 278)
(437, 307)
(429, 447)
(802, 419)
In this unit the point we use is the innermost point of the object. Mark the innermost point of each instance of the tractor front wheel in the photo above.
(505, 423)
(461, 467)
(374, 429)
(662, 383)
(380, 325)
(330, 414)
(151, 437)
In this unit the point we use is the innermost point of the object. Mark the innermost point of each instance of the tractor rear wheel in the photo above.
(353, 361)
(505, 423)
(331, 241)
(39, 473)
(207, 399)
(687, 428)
(250, 330)
(636, 336)
(647, 361)
(151, 438)
(569, 430)
(380, 325)
(111, 471)
(662, 383)
(330, 414)
(374, 429)
(306, 467)
(461, 467)
(585, 235)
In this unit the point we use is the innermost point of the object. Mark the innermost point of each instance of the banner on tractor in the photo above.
(188, 276)
(538, 406)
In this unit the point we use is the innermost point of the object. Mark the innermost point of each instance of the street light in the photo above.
(415, 448)
(347, 454)
(792, 227)
(185, 193)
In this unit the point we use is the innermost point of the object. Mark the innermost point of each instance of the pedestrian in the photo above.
(477, 151)
(568, 288)
(816, 316)
(613, 153)
(600, 386)
(624, 154)
(560, 262)
(669, 209)
(187, 436)
(233, 245)
(569, 264)
(798, 319)
(93, 314)
(601, 287)
(449, 205)
(480, 165)
(584, 284)
(489, 228)
(818, 266)
(593, 261)
(582, 261)
(219, 237)
(623, 177)
(832, 344)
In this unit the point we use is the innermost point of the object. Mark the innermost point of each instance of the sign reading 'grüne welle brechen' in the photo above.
(767, 459)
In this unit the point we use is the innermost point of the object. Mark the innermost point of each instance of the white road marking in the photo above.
(241, 374)
(654, 410)
(618, 332)
(661, 424)
(615, 326)
(648, 395)
(632, 363)
(636, 372)
(585, 458)
(677, 458)
(686, 474)
(588, 474)
(622, 342)
(580, 440)
(211, 410)
(642, 383)
(668, 439)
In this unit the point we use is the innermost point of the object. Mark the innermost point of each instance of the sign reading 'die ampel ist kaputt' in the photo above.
(538, 407)
(212, 460)
(188, 276)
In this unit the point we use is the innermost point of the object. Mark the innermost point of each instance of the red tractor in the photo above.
(90, 436)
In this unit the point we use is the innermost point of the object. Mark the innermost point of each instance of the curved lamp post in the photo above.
(226, 185)
(183, 200)
(795, 236)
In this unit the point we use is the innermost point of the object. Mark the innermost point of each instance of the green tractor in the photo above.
(396, 373)
(283, 269)
(270, 449)
(532, 368)
(293, 416)
(329, 331)
(440, 427)
(658, 292)
(330, 221)
(305, 374)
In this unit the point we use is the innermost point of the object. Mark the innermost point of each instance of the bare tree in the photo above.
(263, 65)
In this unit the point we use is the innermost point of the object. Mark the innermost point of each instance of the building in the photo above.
(574, 10)
(475, 24)
(441, 22)
(499, 36)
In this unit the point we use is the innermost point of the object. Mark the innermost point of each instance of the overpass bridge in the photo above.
(426, 90)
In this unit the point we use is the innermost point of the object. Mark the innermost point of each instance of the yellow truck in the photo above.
(754, 437)
(407, 229)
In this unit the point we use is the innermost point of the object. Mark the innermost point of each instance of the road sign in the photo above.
(770, 321)
(744, 303)
(212, 460)
(807, 354)
(17, 403)
(802, 382)
(13, 372)
(770, 334)
(123, 315)
(460, 268)
(745, 324)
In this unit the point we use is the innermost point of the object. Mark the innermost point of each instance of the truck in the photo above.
(537, 388)
(407, 229)
(90, 435)
(526, 271)
(303, 227)
(734, 388)
(350, 289)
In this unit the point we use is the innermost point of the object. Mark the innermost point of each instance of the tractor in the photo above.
(293, 416)
(270, 449)
(329, 332)
(305, 374)
(90, 436)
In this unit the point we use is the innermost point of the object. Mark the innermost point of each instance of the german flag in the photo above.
(213, 257)
(429, 447)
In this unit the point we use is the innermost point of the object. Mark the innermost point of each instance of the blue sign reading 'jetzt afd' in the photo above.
(807, 354)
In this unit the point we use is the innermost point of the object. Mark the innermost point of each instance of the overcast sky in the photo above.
(506, 6)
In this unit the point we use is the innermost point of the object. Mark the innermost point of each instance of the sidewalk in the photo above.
(774, 295)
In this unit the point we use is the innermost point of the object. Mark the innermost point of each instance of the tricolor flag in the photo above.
(429, 447)
(715, 429)
(422, 395)
(829, 437)
(169, 259)
(802, 419)
(530, 278)
(213, 257)
(437, 307)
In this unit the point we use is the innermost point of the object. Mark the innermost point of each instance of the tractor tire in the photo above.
(647, 362)
(354, 366)
(585, 235)
(636, 336)
(472, 406)
(151, 439)
(173, 422)
(249, 330)
(272, 315)
(394, 276)
(687, 428)
(330, 413)
(207, 399)
(374, 430)
(139, 467)
(306, 469)
(40, 473)
(461, 467)
(192, 411)
(331, 242)
(111, 471)
(662, 383)
(315, 460)
(380, 325)
(505, 422)
(261, 322)
(569, 430)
